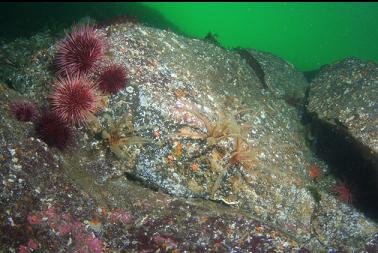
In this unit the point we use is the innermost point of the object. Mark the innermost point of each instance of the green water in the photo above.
(308, 35)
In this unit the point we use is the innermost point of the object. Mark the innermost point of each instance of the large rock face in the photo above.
(194, 122)
(344, 95)
(280, 77)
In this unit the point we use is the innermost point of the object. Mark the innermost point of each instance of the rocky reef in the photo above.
(193, 154)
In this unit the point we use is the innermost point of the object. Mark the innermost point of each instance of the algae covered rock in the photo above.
(193, 123)
(277, 75)
(344, 95)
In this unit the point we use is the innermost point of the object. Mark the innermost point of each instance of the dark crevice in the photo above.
(254, 64)
(142, 182)
(311, 74)
(349, 161)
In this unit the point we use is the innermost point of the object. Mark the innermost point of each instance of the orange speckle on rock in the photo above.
(314, 172)
(195, 166)
(53, 226)
(170, 158)
(203, 219)
(259, 229)
(95, 222)
(104, 212)
(178, 152)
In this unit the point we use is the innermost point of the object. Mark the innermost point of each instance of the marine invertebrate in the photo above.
(121, 134)
(314, 172)
(54, 131)
(75, 99)
(24, 110)
(224, 127)
(215, 130)
(243, 154)
(113, 79)
(343, 192)
(79, 52)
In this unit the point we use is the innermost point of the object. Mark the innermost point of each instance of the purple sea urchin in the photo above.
(113, 79)
(24, 110)
(79, 52)
(75, 99)
(54, 131)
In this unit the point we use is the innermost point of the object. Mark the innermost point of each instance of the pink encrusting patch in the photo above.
(80, 51)
(32, 244)
(88, 244)
(120, 216)
(34, 219)
(75, 99)
(67, 228)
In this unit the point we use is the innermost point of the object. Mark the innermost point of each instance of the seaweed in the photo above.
(212, 38)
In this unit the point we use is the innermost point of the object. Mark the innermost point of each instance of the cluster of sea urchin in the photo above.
(75, 98)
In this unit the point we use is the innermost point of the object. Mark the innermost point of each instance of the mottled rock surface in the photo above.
(344, 95)
(195, 123)
(282, 77)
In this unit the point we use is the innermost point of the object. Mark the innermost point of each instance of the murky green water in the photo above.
(308, 35)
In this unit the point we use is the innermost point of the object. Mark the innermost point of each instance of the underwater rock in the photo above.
(344, 96)
(50, 205)
(193, 122)
(281, 77)
(25, 63)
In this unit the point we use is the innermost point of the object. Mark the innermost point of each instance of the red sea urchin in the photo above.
(54, 131)
(75, 99)
(79, 52)
(113, 79)
(343, 192)
(24, 110)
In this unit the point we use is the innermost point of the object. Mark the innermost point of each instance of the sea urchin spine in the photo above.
(75, 99)
(79, 52)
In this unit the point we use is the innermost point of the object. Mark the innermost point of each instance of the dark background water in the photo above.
(25, 19)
